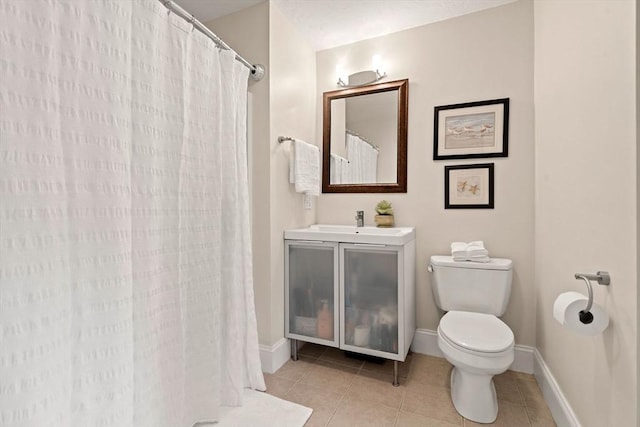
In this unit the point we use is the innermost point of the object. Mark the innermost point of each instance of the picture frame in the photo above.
(469, 186)
(471, 130)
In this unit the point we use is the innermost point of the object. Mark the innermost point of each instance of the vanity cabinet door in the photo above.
(371, 287)
(311, 291)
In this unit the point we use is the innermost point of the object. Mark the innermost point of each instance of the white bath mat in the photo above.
(263, 410)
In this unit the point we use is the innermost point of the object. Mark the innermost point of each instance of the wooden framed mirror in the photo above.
(364, 139)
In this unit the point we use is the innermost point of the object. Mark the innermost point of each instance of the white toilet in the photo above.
(472, 338)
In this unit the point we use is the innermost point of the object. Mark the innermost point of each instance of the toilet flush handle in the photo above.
(430, 268)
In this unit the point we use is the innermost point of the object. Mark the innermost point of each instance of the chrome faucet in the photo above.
(359, 218)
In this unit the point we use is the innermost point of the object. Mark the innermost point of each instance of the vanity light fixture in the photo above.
(361, 78)
(341, 75)
(376, 64)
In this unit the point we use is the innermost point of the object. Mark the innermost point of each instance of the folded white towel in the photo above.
(476, 250)
(472, 251)
(459, 246)
(304, 168)
(478, 244)
(459, 251)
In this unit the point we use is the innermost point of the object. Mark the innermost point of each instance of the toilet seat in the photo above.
(476, 333)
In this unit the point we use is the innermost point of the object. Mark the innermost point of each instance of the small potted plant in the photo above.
(385, 214)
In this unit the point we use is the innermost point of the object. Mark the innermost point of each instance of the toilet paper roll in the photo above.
(566, 309)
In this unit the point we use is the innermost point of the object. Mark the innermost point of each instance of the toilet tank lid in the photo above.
(493, 264)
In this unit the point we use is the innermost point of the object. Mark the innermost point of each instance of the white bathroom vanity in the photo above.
(351, 288)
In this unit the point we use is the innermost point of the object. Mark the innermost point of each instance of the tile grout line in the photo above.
(404, 395)
(317, 359)
(524, 401)
(296, 382)
(395, 422)
(339, 402)
(405, 391)
(360, 369)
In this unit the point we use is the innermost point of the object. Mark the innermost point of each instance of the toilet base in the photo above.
(474, 396)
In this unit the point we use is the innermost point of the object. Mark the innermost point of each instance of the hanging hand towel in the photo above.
(304, 168)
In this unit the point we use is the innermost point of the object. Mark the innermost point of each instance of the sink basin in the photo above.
(353, 234)
(359, 230)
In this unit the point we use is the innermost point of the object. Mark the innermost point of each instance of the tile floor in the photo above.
(344, 391)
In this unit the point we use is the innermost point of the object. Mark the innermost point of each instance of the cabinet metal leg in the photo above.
(294, 349)
(396, 383)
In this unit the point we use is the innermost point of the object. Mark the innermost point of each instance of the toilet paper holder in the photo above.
(603, 278)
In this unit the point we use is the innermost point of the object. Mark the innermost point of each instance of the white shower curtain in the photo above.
(363, 160)
(126, 294)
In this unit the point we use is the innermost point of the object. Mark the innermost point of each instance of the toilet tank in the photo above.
(471, 286)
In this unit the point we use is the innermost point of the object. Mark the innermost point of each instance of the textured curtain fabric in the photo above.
(339, 169)
(126, 294)
(363, 160)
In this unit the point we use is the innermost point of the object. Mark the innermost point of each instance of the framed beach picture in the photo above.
(471, 130)
(468, 186)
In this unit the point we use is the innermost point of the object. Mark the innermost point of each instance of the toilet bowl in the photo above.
(479, 346)
(473, 339)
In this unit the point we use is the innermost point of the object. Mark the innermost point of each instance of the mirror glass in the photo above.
(365, 139)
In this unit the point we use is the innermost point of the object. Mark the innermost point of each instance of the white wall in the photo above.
(292, 108)
(284, 104)
(586, 198)
(481, 56)
(637, 209)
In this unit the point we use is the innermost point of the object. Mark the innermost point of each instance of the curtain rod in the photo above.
(374, 146)
(256, 72)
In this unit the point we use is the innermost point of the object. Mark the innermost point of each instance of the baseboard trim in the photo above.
(523, 361)
(527, 360)
(274, 356)
(557, 402)
(425, 341)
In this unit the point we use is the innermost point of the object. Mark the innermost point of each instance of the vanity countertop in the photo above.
(353, 234)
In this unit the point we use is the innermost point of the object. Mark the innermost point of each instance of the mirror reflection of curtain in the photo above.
(362, 161)
(339, 166)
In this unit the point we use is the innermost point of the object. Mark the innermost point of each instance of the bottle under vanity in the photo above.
(325, 321)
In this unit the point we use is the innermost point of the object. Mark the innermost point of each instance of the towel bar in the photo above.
(282, 139)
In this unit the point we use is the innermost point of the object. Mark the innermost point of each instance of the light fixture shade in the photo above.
(361, 78)
(341, 75)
